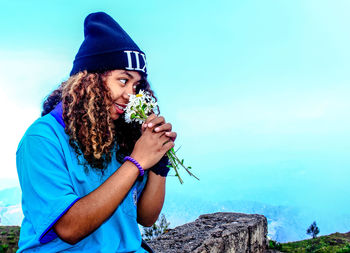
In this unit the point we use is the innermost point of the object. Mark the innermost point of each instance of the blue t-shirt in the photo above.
(52, 180)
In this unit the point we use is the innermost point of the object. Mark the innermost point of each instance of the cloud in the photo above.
(16, 118)
(314, 112)
(26, 78)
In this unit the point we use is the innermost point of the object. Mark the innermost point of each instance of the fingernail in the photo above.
(167, 133)
(150, 125)
(156, 129)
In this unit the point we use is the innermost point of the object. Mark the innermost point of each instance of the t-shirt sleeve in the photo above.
(47, 191)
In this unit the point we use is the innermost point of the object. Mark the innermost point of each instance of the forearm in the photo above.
(151, 201)
(88, 213)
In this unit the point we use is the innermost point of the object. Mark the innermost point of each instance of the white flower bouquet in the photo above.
(140, 106)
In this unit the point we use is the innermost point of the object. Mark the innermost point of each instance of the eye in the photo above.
(123, 81)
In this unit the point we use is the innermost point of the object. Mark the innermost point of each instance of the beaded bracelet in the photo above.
(136, 163)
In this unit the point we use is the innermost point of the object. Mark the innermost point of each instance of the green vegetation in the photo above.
(275, 245)
(160, 227)
(4, 248)
(333, 243)
(9, 236)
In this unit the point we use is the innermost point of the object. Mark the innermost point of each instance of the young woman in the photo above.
(87, 177)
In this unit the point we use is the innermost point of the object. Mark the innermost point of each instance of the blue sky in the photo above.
(257, 90)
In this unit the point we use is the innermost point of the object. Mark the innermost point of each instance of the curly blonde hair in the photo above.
(92, 132)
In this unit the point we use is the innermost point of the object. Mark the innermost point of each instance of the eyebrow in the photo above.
(130, 75)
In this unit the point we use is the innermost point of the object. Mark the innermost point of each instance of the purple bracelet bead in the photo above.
(136, 163)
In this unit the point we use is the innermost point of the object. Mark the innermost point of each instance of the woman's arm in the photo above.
(151, 201)
(89, 212)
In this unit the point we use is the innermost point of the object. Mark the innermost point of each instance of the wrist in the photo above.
(161, 168)
(143, 162)
(136, 164)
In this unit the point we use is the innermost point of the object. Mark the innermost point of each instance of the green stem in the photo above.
(174, 160)
(140, 116)
(174, 165)
(173, 155)
(143, 113)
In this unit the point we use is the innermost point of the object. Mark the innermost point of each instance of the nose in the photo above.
(127, 90)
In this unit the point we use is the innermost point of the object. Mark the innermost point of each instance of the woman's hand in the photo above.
(158, 124)
(155, 141)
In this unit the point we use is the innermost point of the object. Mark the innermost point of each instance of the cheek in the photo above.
(113, 89)
(115, 93)
(112, 92)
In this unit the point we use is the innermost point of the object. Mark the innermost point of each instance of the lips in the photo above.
(119, 108)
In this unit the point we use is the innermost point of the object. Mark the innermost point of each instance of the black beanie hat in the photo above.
(107, 46)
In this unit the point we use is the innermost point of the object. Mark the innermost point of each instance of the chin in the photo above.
(115, 117)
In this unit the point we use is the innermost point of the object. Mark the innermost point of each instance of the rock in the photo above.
(214, 233)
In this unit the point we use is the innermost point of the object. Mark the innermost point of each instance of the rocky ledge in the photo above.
(214, 233)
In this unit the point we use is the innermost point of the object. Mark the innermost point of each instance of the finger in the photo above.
(150, 118)
(165, 127)
(163, 138)
(171, 135)
(143, 127)
(156, 121)
(168, 145)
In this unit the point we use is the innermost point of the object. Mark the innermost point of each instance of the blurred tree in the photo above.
(160, 227)
(313, 230)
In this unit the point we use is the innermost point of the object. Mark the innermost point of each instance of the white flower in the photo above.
(139, 107)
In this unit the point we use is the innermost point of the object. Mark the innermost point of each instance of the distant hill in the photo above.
(333, 243)
(11, 215)
(285, 223)
(10, 196)
(6, 183)
(10, 206)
